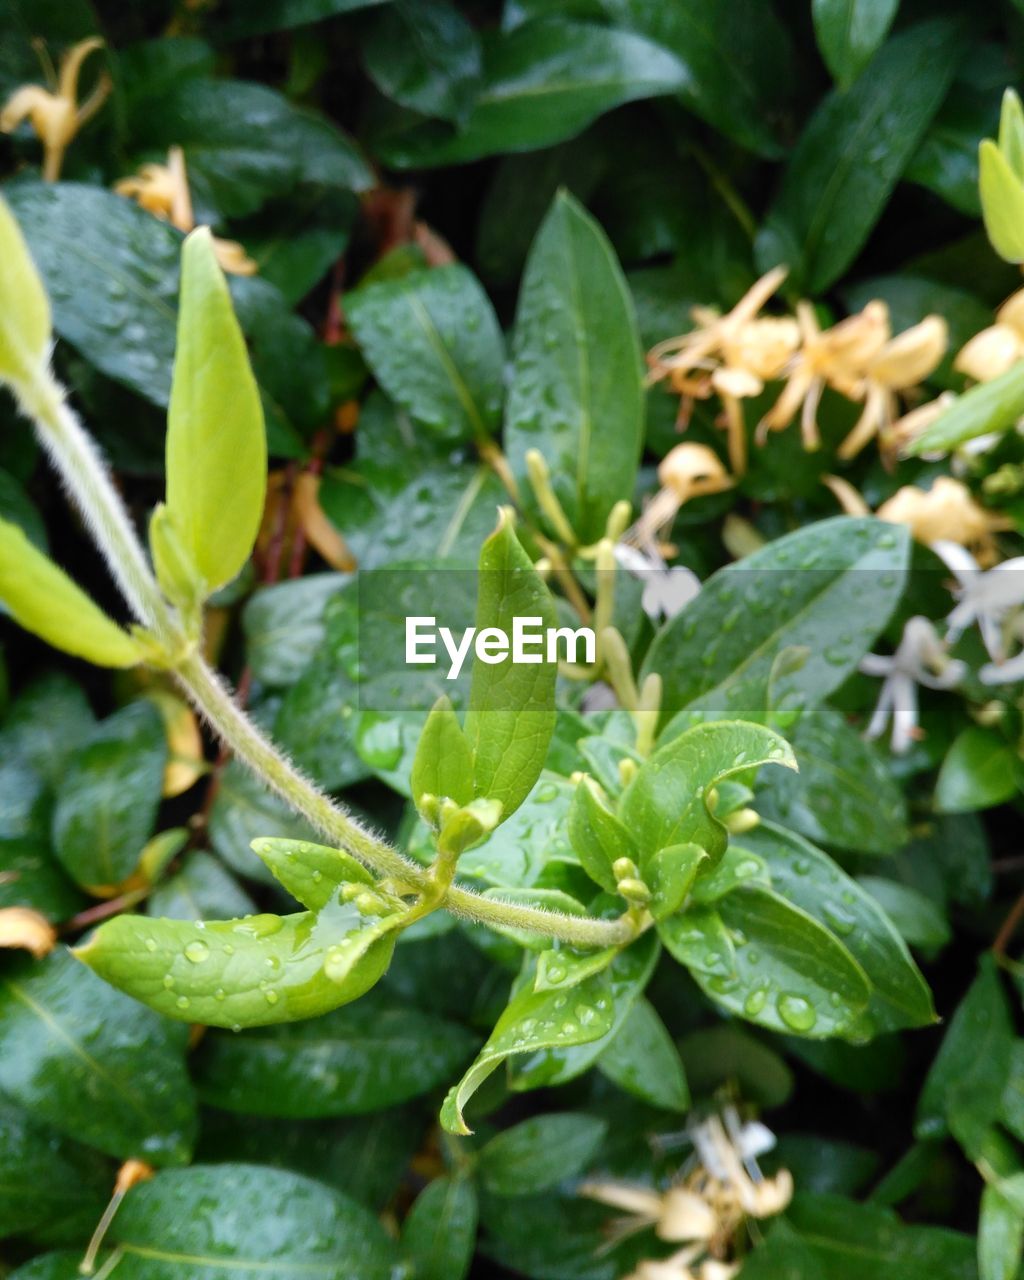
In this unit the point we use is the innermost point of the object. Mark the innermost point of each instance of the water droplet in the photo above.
(219, 993)
(197, 952)
(796, 1012)
(182, 1002)
(168, 981)
(271, 997)
(150, 944)
(840, 921)
(755, 1002)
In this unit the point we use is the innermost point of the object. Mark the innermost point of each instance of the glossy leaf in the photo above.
(848, 33)
(356, 1060)
(439, 1233)
(1000, 1236)
(829, 589)
(216, 445)
(644, 1061)
(426, 56)
(576, 393)
(598, 838)
(433, 342)
(851, 155)
(284, 626)
(444, 759)
(44, 600)
(810, 880)
(202, 889)
(311, 873)
(25, 328)
(667, 803)
(109, 796)
(980, 770)
(95, 1065)
(511, 714)
(539, 1153)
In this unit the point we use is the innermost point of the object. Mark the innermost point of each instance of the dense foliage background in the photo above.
(354, 152)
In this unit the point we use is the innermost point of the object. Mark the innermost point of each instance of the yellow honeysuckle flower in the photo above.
(163, 191)
(688, 471)
(947, 512)
(992, 351)
(26, 929)
(732, 354)
(54, 112)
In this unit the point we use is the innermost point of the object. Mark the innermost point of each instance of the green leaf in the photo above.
(30, 876)
(988, 407)
(49, 1183)
(963, 1093)
(201, 890)
(244, 811)
(439, 1233)
(444, 759)
(790, 974)
(108, 800)
(311, 873)
(216, 445)
(355, 1060)
(251, 972)
(434, 344)
(532, 1022)
(644, 1061)
(94, 1064)
(44, 600)
(598, 837)
(576, 392)
(1000, 1236)
(829, 588)
(919, 921)
(810, 880)
(980, 770)
(738, 60)
(853, 152)
(844, 796)
(426, 56)
(296, 239)
(284, 626)
(268, 1222)
(1002, 201)
(540, 1153)
(511, 714)
(542, 83)
(670, 874)
(669, 800)
(25, 334)
(848, 33)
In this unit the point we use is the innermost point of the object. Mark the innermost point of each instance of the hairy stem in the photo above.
(88, 481)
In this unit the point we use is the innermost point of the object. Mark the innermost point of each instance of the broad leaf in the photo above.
(980, 770)
(644, 1061)
(425, 55)
(848, 33)
(539, 1153)
(576, 392)
(439, 1233)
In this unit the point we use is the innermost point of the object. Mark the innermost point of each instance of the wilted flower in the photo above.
(985, 597)
(163, 191)
(687, 471)
(945, 512)
(732, 354)
(25, 928)
(902, 363)
(992, 351)
(920, 659)
(55, 113)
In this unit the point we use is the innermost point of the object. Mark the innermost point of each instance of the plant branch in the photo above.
(82, 469)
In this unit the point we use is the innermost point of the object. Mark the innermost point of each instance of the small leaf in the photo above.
(644, 1061)
(439, 1233)
(1000, 1235)
(311, 873)
(240, 973)
(1002, 201)
(670, 875)
(577, 390)
(511, 714)
(598, 837)
(980, 770)
(25, 335)
(667, 801)
(443, 766)
(216, 446)
(44, 600)
(989, 407)
(539, 1153)
(848, 33)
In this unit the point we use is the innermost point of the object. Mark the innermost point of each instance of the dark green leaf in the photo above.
(539, 1153)
(643, 1060)
(1000, 1236)
(849, 32)
(439, 1234)
(980, 770)
(425, 55)
(284, 626)
(201, 890)
(245, 810)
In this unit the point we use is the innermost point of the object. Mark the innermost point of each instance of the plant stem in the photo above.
(82, 469)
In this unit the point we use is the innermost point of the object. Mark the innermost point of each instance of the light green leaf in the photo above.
(829, 588)
(311, 873)
(511, 714)
(1002, 202)
(539, 1153)
(670, 874)
(443, 766)
(790, 973)
(598, 837)
(848, 33)
(434, 344)
(216, 445)
(667, 803)
(44, 600)
(94, 1064)
(439, 1233)
(644, 1061)
(810, 880)
(576, 393)
(25, 335)
(241, 973)
(1000, 1235)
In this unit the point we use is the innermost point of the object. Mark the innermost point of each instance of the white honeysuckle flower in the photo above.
(666, 590)
(983, 596)
(920, 659)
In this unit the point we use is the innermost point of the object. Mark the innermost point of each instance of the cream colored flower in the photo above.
(836, 357)
(163, 191)
(902, 363)
(732, 354)
(687, 471)
(27, 930)
(946, 512)
(54, 112)
(992, 351)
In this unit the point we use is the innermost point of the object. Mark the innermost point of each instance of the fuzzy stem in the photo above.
(82, 469)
